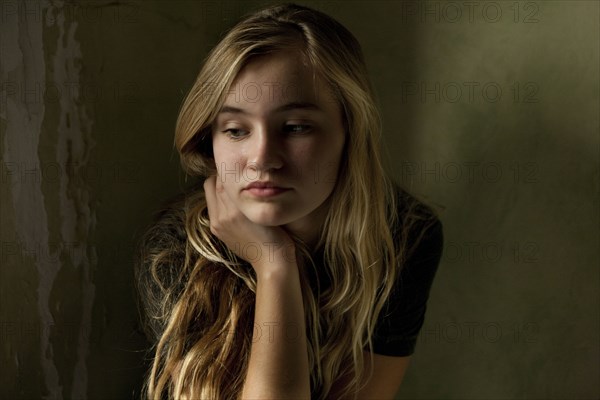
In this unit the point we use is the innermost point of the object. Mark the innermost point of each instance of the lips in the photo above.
(264, 185)
(265, 189)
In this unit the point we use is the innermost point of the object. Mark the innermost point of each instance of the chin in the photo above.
(265, 221)
(268, 217)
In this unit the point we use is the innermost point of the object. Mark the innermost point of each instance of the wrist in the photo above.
(279, 252)
(278, 268)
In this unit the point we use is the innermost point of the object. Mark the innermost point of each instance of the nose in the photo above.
(266, 151)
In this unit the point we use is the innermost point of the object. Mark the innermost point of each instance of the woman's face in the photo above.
(279, 128)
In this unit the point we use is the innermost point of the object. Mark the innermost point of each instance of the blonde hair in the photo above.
(199, 298)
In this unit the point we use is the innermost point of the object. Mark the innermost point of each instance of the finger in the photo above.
(219, 183)
(223, 197)
(211, 199)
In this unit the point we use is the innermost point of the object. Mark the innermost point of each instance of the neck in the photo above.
(309, 228)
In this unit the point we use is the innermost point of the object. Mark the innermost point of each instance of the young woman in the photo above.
(298, 269)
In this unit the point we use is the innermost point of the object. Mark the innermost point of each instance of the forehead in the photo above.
(274, 79)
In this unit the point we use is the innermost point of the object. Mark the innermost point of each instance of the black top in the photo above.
(402, 316)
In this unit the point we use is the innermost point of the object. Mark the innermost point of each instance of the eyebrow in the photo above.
(303, 105)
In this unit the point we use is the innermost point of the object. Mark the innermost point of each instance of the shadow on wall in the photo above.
(499, 123)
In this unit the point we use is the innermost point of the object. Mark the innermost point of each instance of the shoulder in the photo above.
(418, 228)
(160, 254)
(167, 229)
(167, 225)
(418, 234)
(165, 237)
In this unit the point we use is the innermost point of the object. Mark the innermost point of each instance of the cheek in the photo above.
(219, 151)
(331, 163)
(328, 152)
(227, 158)
(318, 165)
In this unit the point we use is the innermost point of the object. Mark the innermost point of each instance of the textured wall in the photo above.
(490, 110)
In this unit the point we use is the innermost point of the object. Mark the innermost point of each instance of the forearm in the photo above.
(278, 365)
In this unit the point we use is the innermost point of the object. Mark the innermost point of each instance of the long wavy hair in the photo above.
(199, 298)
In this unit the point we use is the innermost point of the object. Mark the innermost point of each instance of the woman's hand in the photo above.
(266, 248)
(277, 367)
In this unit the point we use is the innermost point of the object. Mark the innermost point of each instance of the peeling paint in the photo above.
(24, 62)
(78, 218)
(23, 129)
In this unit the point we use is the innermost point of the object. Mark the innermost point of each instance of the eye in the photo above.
(235, 132)
(297, 128)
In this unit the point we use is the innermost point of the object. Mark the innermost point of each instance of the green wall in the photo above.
(490, 111)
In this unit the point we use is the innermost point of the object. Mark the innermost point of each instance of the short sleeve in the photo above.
(402, 316)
